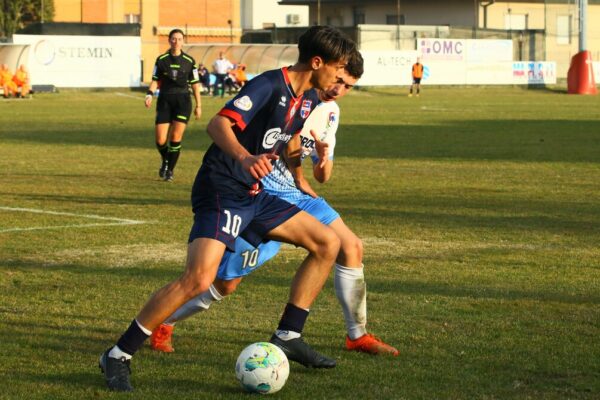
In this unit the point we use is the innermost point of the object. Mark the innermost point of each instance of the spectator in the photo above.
(204, 78)
(231, 82)
(221, 67)
(6, 81)
(240, 75)
(21, 80)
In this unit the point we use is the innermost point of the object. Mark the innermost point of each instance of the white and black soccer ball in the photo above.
(262, 368)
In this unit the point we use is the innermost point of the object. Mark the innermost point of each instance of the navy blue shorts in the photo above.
(224, 218)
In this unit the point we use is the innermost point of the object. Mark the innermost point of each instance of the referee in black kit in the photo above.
(174, 72)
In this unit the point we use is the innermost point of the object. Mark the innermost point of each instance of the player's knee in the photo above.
(225, 288)
(192, 286)
(329, 244)
(351, 251)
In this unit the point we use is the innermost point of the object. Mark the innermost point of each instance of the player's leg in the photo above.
(162, 337)
(233, 267)
(202, 262)
(351, 291)
(322, 245)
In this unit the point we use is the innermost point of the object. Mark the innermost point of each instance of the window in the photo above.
(563, 29)
(359, 16)
(132, 18)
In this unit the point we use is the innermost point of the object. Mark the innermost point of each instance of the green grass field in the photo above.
(479, 209)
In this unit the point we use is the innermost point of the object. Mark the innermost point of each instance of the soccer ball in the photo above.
(262, 368)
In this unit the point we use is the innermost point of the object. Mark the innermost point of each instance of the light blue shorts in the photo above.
(247, 258)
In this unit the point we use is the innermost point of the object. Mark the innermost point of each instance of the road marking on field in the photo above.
(129, 95)
(117, 221)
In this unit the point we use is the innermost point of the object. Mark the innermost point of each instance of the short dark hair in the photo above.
(174, 31)
(326, 42)
(355, 66)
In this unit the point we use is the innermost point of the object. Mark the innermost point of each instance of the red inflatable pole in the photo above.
(580, 78)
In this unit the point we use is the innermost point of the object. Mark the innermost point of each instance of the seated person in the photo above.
(240, 74)
(231, 83)
(9, 88)
(21, 81)
(204, 78)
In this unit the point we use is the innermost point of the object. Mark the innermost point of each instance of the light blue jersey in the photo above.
(246, 258)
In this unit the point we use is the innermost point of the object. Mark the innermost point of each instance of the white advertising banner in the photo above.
(466, 61)
(596, 69)
(534, 72)
(387, 68)
(83, 61)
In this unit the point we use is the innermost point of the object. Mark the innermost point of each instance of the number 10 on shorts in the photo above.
(232, 225)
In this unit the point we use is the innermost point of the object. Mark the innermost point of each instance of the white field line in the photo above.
(118, 221)
(129, 95)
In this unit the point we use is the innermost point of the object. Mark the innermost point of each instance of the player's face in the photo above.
(176, 41)
(328, 74)
(344, 84)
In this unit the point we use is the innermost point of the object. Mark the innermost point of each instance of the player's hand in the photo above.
(148, 100)
(259, 166)
(198, 112)
(322, 149)
(303, 185)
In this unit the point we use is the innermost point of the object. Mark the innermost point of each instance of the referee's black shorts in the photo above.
(173, 107)
(416, 80)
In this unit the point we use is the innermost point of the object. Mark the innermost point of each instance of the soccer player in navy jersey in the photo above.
(349, 279)
(249, 133)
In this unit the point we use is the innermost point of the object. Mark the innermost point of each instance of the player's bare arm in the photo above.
(220, 129)
(293, 159)
(322, 170)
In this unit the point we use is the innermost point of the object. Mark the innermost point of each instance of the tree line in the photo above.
(16, 14)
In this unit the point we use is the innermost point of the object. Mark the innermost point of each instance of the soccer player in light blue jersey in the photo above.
(317, 140)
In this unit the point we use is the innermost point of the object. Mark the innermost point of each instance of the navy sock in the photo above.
(293, 318)
(132, 339)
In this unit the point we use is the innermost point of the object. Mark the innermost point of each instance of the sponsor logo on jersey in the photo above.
(282, 101)
(274, 135)
(243, 103)
(305, 109)
(331, 119)
(308, 144)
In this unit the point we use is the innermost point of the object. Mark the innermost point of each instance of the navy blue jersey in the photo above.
(267, 113)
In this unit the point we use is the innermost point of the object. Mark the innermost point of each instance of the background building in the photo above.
(204, 21)
(259, 14)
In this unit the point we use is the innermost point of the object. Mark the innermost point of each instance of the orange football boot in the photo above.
(370, 344)
(161, 339)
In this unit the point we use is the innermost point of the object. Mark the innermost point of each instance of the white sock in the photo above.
(199, 303)
(351, 291)
(143, 328)
(117, 353)
(287, 335)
